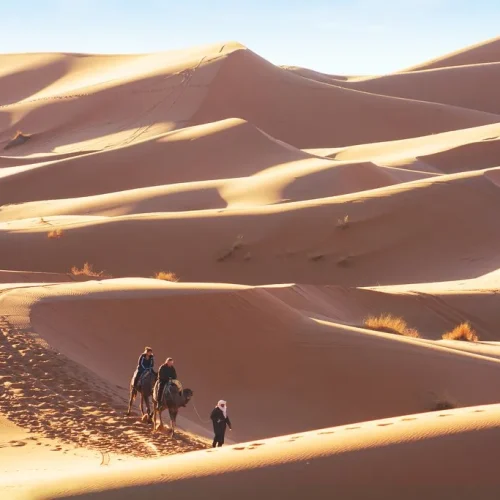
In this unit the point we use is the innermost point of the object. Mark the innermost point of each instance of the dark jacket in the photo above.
(166, 372)
(145, 363)
(219, 421)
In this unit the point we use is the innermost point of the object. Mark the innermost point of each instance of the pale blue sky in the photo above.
(334, 36)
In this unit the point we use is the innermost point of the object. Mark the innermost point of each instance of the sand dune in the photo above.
(292, 205)
(82, 109)
(413, 457)
(240, 164)
(467, 150)
(305, 179)
(394, 235)
(83, 321)
(480, 53)
(326, 111)
(455, 86)
(227, 149)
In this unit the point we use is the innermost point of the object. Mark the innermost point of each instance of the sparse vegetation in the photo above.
(390, 324)
(238, 243)
(344, 261)
(88, 270)
(443, 405)
(17, 140)
(166, 276)
(464, 332)
(55, 234)
(316, 256)
(343, 223)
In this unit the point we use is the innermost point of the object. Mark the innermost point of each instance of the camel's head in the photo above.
(188, 394)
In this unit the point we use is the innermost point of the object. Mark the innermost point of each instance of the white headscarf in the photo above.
(223, 408)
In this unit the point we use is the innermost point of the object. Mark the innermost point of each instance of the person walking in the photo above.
(221, 421)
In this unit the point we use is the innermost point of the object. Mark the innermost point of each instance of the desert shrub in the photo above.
(166, 276)
(464, 331)
(88, 270)
(443, 405)
(55, 234)
(390, 324)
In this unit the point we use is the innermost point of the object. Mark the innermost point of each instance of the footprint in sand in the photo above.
(326, 432)
(17, 443)
(383, 425)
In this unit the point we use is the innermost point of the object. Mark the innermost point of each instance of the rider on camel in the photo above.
(146, 362)
(166, 373)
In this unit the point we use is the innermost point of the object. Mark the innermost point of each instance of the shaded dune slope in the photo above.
(456, 86)
(326, 112)
(84, 321)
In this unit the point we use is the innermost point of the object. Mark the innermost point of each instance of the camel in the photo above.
(172, 400)
(145, 388)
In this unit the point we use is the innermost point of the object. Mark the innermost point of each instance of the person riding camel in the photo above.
(166, 374)
(146, 362)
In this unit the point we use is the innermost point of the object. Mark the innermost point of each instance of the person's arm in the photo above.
(174, 373)
(141, 361)
(228, 422)
(212, 415)
(152, 362)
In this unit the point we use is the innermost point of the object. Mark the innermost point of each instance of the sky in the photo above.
(350, 37)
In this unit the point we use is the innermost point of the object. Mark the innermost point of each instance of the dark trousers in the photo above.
(161, 387)
(219, 438)
(137, 376)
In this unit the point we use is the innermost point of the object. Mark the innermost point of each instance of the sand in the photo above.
(358, 461)
(290, 206)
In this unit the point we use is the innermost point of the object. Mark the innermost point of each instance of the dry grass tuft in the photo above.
(238, 243)
(343, 223)
(345, 261)
(443, 405)
(88, 270)
(55, 234)
(464, 332)
(316, 256)
(390, 324)
(166, 276)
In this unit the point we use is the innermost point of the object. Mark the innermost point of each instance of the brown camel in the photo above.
(172, 400)
(145, 388)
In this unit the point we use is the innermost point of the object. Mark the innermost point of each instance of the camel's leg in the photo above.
(161, 420)
(133, 393)
(154, 416)
(173, 418)
(142, 404)
(148, 407)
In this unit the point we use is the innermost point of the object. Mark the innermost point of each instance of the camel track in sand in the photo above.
(50, 395)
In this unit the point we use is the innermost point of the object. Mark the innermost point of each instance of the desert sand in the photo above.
(288, 207)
